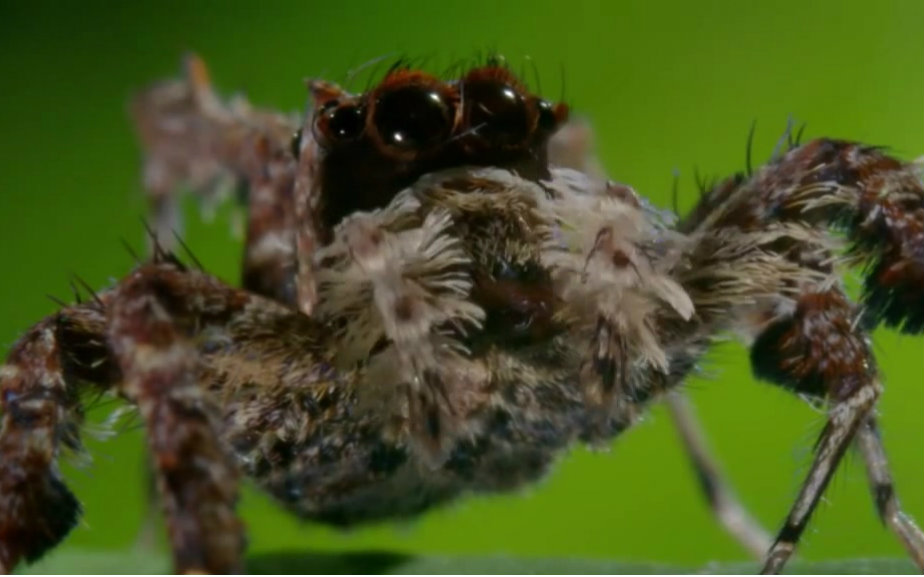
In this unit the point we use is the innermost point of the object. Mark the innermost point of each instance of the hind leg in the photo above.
(764, 241)
(726, 507)
(818, 351)
(883, 492)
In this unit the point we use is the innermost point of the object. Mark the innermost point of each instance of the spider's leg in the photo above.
(269, 262)
(818, 350)
(193, 140)
(41, 415)
(137, 340)
(150, 324)
(777, 281)
(877, 200)
(883, 491)
(722, 500)
(184, 136)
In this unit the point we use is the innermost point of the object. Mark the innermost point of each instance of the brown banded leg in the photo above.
(819, 351)
(40, 416)
(723, 502)
(269, 262)
(148, 330)
(195, 141)
(883, 491)
(843, 422)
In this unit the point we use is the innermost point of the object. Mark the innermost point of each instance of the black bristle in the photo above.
(749, 149)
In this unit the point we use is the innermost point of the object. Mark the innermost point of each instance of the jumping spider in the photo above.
(440, 295)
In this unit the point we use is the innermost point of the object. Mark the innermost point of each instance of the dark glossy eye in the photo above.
(295, 146)
(547, 119)
(338, 123)
(345, 122)
(412, 118)
(496, 111)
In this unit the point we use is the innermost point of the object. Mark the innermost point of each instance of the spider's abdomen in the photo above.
(316, 457)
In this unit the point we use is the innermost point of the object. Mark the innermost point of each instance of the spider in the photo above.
(441, 293)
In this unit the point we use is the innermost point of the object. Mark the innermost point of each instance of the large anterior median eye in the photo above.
(412, 118)
(496, 111)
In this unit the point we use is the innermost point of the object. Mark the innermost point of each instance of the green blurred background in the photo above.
(667, 85)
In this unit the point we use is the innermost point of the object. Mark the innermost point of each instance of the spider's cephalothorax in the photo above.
(413, 123)
(440, 294)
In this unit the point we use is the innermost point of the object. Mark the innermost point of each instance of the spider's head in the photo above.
(373, 145)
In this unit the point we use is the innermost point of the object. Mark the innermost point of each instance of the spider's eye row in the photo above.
(496, 111)
(412, 117)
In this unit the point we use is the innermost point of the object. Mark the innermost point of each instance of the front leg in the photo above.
(137, 340)
(193, 140)
(150, 324)
(39, 415)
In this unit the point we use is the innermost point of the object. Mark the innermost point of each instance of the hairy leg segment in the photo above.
(810, 338)
(133, 339)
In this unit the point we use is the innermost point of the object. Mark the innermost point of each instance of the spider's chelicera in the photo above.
(440, 294)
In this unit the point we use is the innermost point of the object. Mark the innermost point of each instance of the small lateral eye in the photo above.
(548, 120)
(412, 118)
(295, 146)
(497, 111)
(338, 123)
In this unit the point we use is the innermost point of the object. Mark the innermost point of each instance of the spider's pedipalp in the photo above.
(597, 251)
(420, 295)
